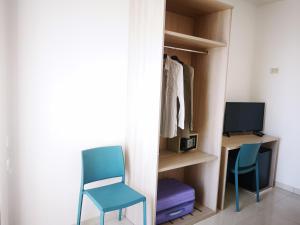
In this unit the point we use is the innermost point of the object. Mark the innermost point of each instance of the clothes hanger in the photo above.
(174, 57)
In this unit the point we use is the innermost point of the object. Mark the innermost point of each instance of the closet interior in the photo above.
(198, 32)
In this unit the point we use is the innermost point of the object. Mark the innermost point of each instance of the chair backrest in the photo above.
(102, 163)
(248, 154)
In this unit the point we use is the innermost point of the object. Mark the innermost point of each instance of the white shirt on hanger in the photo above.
(172, 87)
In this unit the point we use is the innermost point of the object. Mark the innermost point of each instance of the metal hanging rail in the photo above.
(186, 50)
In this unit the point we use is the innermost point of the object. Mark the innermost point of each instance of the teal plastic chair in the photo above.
(104, 163)
(246, 162)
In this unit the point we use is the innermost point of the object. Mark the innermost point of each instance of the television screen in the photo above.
(243, 117)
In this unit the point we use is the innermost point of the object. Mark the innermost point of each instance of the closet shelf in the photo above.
(176, 39)
(171, 160)
(200, 213)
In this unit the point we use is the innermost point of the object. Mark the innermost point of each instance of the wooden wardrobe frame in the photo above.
(198, 25)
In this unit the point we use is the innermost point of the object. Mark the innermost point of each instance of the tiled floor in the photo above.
(277, 207)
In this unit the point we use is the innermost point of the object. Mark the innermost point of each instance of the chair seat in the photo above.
(114, 196)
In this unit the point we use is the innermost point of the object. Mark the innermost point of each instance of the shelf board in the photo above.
(235, 141)
(171, 160)
(196, 7)
(200, 213)
(176, 39)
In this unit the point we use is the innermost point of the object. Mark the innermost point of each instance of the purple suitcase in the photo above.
(174, 200)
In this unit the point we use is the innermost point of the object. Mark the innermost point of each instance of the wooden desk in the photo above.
(234, 142)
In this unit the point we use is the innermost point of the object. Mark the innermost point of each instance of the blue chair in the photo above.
(246, 162)
(104, 163)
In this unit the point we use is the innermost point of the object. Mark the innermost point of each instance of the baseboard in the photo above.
(288, 188)
(108, 217)
(90, 221)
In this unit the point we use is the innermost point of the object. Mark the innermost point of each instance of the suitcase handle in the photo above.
(176, 212)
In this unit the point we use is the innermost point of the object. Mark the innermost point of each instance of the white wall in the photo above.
(266, 36)
(241, 51)
(70, 92)
(278, 45)
(3, 114)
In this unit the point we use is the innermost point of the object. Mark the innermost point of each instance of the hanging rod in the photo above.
(186, 50)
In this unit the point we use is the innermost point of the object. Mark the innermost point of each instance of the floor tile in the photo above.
(277, 207)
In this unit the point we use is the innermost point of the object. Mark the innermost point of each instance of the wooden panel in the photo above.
(191, 42)
(169, 160)
(177, 174)
(235, 141)
(222, 178)
(209, 105)
(163, 144)
(196, 7)
(179, 23)
(204, 29)
(143, 108)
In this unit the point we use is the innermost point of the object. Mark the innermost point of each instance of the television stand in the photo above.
(235, 142)
(258, 133)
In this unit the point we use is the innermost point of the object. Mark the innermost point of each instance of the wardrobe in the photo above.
(198, 33)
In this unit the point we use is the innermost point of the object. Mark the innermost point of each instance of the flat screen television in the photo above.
(244, 117)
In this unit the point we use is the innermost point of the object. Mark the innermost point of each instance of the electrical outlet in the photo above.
(7, 142)
(8, 165)
(274, 70)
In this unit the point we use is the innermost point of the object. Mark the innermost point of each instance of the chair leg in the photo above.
(79, 208)
(237, 200)
(120, 214)
(257, 182)
(145, 211)
(101, 218)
